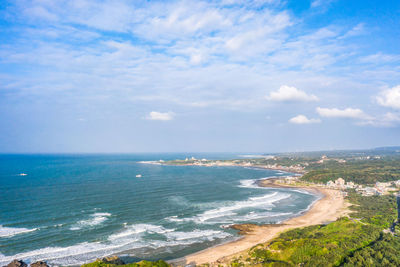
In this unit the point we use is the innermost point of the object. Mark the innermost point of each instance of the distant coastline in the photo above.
(220, 163)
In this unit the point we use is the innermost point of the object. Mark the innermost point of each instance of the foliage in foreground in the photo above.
(383, 252)
(339, 243)
(143, 263)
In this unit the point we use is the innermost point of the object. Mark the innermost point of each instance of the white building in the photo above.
(350, 185)
(330, 184)
(340, 181)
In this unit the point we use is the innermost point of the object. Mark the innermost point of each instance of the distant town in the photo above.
(301, 166)
(380, 188)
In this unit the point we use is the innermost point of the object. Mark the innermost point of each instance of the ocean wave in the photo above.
(137, 229)
(196, 234)
(252, 183)
(229, 212)
(249, 183)
(128, 239)
(11, 231)
(72, 255)
(262, 215)
(96, 219)
(175, 219)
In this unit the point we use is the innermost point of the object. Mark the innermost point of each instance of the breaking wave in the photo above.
(131, 237)
(96, 219)
(11, 231)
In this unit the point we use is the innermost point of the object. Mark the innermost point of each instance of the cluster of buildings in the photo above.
(325, 158)
(379, 188)
(194, 159)
(367, 157)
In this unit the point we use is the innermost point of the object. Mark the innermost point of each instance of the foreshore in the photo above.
(328, 208)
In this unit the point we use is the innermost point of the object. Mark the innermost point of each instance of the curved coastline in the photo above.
(328, 207)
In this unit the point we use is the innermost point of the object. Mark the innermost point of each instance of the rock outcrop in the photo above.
(17, 263)
(112, 260)
(39, 264)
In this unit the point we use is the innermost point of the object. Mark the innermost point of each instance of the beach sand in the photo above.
(330, 207)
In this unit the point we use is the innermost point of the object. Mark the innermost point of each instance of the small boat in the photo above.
(22, 174)
(138, 175)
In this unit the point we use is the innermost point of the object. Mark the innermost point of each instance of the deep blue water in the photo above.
(71, 209)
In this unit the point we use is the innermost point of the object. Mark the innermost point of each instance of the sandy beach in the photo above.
(328, 208)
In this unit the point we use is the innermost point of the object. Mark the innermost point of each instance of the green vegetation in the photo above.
(100, 263)
(364, 239)
(383, 252)
(359, 172)
(360, 167)
(375, 210)
(339, 243)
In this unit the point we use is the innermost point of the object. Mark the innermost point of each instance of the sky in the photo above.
(121, 76)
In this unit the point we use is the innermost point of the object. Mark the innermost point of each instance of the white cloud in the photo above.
(390, 119)
(320, 3)
(357, 30)
(40, 12)
(316, 3)
(390, 98)
(160, 116)
(289, 93)
(251, 3)
(301, 119)
(351, 113)
(386, 120)
(181, 20)
(380, 58)
(190, 53)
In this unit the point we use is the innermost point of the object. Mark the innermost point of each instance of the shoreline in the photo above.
(329, 207)
(227, 164)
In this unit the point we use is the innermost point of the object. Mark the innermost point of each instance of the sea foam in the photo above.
(250, 183)
(196, 235)
(11, 231)
(95, 219)
(128, 239)
(138, 229)
(229, 212)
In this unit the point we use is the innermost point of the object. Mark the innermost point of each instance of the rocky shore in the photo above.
(110, 261)
(20, 263)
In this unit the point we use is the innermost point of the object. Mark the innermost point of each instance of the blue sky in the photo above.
(198, 76)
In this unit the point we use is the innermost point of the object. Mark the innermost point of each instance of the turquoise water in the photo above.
(71, 209)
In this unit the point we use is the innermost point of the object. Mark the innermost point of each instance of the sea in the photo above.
(72, 209)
